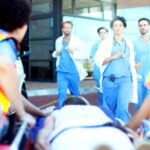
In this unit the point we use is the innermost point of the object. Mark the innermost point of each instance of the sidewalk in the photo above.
(45, 88)
(42, 93)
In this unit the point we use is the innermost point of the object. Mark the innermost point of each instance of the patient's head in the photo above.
(75, 100)
(103, 147)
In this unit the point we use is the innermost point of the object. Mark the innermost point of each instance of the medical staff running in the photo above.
(142, 58)
(115, 57)
(70, 55)
(102, 32)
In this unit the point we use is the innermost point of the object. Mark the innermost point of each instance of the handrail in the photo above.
(16, 142)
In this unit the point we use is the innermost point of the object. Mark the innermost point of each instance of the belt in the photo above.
(108, 124)
(113, 77)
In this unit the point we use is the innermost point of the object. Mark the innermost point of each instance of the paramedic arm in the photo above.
(142, 113)
(43, 135)
(32, 109)
(10, 85)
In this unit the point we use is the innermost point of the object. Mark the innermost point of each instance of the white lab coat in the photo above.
(78, 54)
(20, 71)
(104, 51)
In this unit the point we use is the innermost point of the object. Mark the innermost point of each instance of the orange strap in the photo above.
(148, 81)
(4, 102)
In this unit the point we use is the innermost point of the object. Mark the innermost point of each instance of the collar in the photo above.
(4, 35)
(116, 42)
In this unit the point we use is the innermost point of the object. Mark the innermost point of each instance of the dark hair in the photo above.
(75, 100)
(122, 19)
(144, 19)
(101, 28)
(14, 14)
(69, 22)
(103, 147)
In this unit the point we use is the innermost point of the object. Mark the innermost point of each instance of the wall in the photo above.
(132, 16)
(86, 28)
(132, 3)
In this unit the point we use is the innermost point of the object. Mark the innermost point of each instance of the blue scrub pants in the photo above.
(143, 92)
(67, 81)
(96, 77)
(117, 95)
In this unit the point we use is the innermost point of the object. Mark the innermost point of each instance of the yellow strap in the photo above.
(4, 102)
(4, 37)
(148, 81)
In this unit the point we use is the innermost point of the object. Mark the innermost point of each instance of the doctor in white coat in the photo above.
(69, 65)
(115, 58)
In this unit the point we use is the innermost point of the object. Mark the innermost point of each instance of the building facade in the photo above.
(86, 15)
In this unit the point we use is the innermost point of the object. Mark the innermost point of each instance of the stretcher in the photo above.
(20, 142)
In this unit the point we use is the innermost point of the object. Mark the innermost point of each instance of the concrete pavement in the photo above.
(46, 88)
(43, 93)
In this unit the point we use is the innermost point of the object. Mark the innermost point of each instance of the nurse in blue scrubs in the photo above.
(142, 58)
(118, 70)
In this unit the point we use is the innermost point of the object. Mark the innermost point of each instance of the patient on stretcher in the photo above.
(80, 126)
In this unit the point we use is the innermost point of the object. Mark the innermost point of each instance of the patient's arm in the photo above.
(142, 113)
(42, 142)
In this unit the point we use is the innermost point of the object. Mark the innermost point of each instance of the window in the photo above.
(108, 11)
(41, 72)
(41, 7)
(41, 40)
(41, 49)
(67, 6)
(96, 12)
(40, 60)
(90, 8)
(41, 28)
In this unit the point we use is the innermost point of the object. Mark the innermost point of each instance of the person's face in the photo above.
(118, 27)
(67, 29)
(21, 32)
(144, 27)
(102, 34)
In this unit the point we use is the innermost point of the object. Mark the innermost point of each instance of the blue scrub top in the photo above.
(142, 56)
(119, 67)
(66, 63)
(8, 47)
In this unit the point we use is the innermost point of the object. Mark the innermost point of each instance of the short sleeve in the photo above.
(8, 49)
